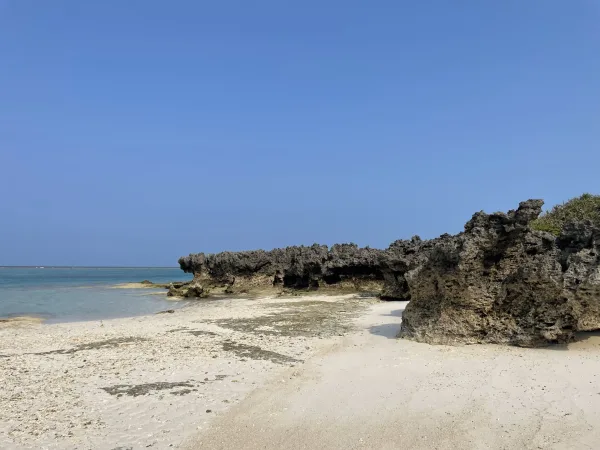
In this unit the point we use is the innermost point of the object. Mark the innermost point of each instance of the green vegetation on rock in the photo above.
(586, 207)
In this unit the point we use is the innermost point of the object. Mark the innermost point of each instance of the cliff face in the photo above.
(499, 281)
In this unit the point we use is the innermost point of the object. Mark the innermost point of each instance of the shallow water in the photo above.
(83, 293)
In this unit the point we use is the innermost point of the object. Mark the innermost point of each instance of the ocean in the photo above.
(66, 294)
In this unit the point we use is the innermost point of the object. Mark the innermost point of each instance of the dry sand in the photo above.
(373, 391)
(152, 381)
(301, 373)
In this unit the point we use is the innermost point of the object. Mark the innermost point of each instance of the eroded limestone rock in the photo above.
(502, 282)
(499, 281)
(300, 267)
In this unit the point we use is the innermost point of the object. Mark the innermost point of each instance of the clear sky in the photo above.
(133, 132)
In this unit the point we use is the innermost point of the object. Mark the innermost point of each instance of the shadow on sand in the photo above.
(584, 340)
(388, 330)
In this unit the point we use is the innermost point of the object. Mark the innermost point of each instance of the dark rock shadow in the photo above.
(388, 330)
(587, 335)
(394, 313)
(584, 340)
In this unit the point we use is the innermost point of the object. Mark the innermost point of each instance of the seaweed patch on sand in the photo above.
(202, 333)
(307, 318)
(255, 352)
(17, 321)
(98, 345)
(135, 390)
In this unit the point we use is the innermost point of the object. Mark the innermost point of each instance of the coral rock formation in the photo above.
(300, 267)
(502, 282)
(499, 281)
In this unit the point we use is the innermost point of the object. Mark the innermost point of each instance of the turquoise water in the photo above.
(82, 293)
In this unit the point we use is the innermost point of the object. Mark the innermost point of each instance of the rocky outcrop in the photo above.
(193, 289)
(502, 282)
(499, 281)
(314, 267)
(400, 259)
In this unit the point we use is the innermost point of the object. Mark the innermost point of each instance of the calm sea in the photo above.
(82, 293)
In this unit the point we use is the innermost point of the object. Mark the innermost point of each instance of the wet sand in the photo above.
(20, 321)
(139, 286)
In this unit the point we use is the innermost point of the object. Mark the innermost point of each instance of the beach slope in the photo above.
(373, 391)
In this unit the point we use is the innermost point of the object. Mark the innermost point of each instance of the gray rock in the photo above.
(291, 267)
(502, 282)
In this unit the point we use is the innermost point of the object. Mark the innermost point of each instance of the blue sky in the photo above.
(133, 132)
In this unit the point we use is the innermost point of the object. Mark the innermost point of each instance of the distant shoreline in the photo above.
(80, 293)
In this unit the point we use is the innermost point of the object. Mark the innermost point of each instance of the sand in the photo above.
(153, 381)
(313, 372)
(373, 391)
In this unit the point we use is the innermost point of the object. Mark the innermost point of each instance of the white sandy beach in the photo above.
(372, 391)
(152, 381)
(296, 373)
